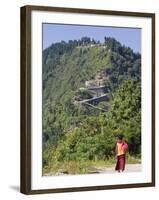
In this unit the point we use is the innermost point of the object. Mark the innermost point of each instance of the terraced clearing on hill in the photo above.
(80, 125)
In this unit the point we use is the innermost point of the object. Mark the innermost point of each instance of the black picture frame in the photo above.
(26, 87)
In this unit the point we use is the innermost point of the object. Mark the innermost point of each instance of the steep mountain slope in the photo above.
(67, 67)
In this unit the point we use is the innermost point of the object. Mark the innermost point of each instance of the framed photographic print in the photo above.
(87, 99)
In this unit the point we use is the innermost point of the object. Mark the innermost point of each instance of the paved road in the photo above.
(128, 168)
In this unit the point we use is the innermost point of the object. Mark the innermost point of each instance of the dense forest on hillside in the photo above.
(91, 92)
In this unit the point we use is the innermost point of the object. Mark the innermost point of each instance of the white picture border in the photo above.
(53, 182)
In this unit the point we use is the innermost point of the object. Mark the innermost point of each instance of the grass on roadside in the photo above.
(84, 167)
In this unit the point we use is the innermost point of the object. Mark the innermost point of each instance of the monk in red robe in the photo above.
(121, 150)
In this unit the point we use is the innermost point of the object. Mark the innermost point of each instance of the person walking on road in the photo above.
(121, 149)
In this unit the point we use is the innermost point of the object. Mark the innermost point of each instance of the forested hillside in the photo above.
(91, 92)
